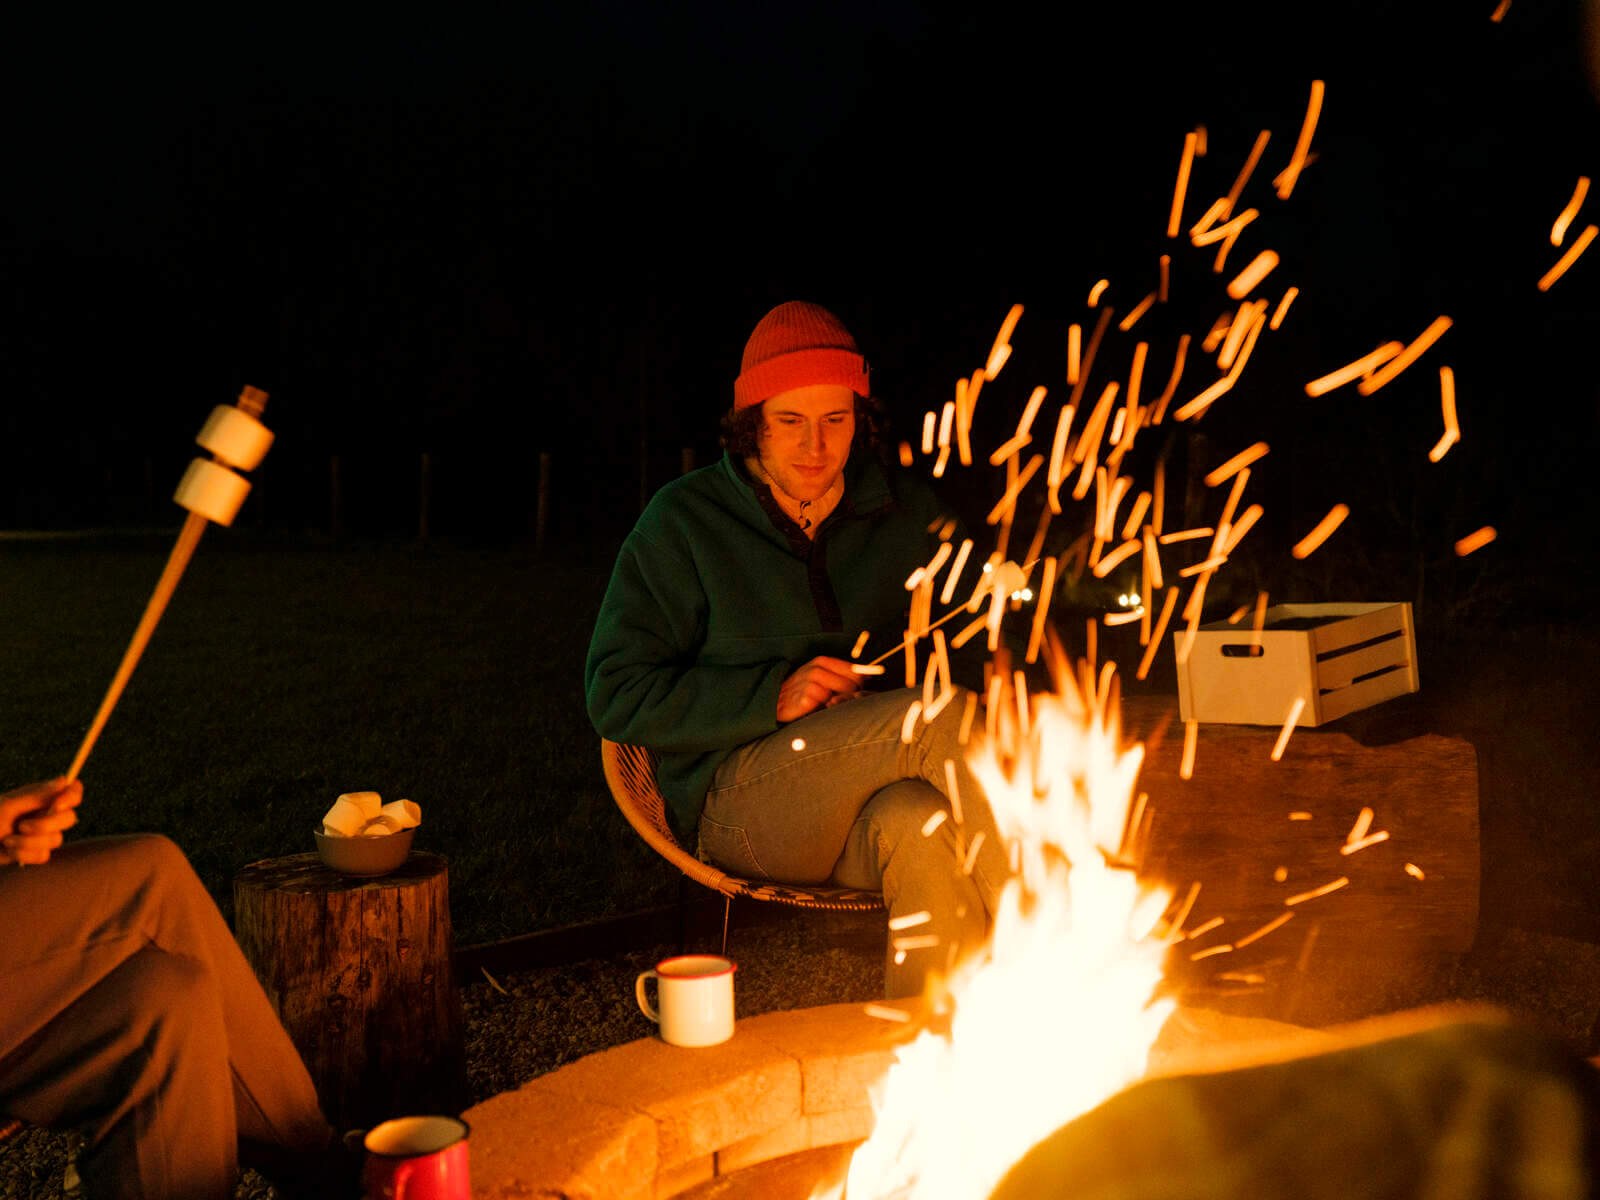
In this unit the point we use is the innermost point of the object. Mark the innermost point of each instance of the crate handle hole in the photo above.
(1243, 650)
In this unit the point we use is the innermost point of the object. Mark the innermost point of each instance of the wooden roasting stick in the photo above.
(212, 492)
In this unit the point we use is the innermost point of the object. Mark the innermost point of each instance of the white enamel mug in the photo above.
(695, 994)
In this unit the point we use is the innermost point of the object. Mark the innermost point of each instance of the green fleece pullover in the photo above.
(711, 606)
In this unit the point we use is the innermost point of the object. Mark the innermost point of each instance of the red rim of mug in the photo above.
(661, 967)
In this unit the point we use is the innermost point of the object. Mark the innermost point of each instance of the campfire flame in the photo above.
(1058, 1012)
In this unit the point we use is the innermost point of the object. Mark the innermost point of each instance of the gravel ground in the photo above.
(525, 1023)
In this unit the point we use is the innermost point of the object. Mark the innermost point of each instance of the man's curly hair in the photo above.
(741, 428)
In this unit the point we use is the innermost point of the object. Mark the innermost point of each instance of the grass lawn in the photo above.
(283, 675)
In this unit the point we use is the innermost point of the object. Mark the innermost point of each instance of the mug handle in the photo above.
(638, 992)
(402, 1172)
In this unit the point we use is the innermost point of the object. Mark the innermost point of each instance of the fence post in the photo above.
(424, 496)
(335, 500)
(541, 520)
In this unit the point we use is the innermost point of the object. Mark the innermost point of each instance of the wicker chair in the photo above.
(631, 775)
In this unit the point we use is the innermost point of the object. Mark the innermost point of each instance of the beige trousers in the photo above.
(128, 1009)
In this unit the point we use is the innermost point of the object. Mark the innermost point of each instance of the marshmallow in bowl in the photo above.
(370, 803)
(404, 812)
(363, 814)
(344, 819)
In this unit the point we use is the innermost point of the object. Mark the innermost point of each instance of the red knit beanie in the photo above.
(797, 345)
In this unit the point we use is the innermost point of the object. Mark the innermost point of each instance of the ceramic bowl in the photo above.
(364, 855)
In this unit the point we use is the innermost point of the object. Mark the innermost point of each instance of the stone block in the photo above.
(841, 1050)
(790, 1138)
(837, 1128)
(701, 1099)
(539, 1141)
(672, 1181)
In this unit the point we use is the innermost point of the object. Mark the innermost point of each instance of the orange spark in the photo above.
(1097, 291)
(1137, 311)
(1235, 464)
(1166, 267)
(1191, 733)
(1186, 535)
(1283, 307)
(1567, 259)
(1002, 340)
(1220, 329)
(1559, 229)
(1317, 536)
(1499, 11)
(1355, 370)
(1475, 541)
(1152, 559)
(1074, 337)
(1160, 630)
(1058, 452)
(907, 457)
(1249, 166)
(1217, 212)
(1136, 514)
(1236, 535)
(1276, 923)
(1414, 871)
(1041, 609)
(1447, 401)
(1228, 229)
(1289, 723)
(1110, 561)
(955, 571)
(1206, 398)
(1172, 382)
(1297, 161)
(1182, 185)
(1260, 267)
(1315, 892)
(1237, 332)
(1406, 357)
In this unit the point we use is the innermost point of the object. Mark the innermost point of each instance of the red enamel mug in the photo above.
(417, 1158)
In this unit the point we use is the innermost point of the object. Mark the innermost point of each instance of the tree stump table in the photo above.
(359, 970)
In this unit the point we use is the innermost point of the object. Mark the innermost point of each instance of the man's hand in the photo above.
(822, 682)
(33, 817)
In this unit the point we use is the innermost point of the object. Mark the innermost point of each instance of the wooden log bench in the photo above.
(360, 972)
(1254, 833)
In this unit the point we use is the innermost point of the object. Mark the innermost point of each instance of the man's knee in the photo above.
(166, 995)
(901, 809)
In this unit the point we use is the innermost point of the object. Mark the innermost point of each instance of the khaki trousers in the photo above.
(836, 796)
(129, 1009)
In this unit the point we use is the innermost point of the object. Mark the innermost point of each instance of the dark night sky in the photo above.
(489, 235)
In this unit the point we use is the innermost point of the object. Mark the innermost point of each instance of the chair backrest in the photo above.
(631, 775)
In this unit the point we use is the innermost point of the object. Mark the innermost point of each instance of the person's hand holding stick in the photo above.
(820, 683)
(34, 816)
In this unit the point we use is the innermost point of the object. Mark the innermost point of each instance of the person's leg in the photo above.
(76, 919)
(887, 851)
(781, 807)
(141, 1059)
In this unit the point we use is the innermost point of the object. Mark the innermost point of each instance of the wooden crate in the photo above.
(1337, 657)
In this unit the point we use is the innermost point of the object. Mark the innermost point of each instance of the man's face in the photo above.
(805, 437)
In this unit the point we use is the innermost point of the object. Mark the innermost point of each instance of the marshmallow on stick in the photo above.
(211, 491)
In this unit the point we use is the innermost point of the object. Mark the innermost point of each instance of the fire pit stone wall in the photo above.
(646, 1119)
